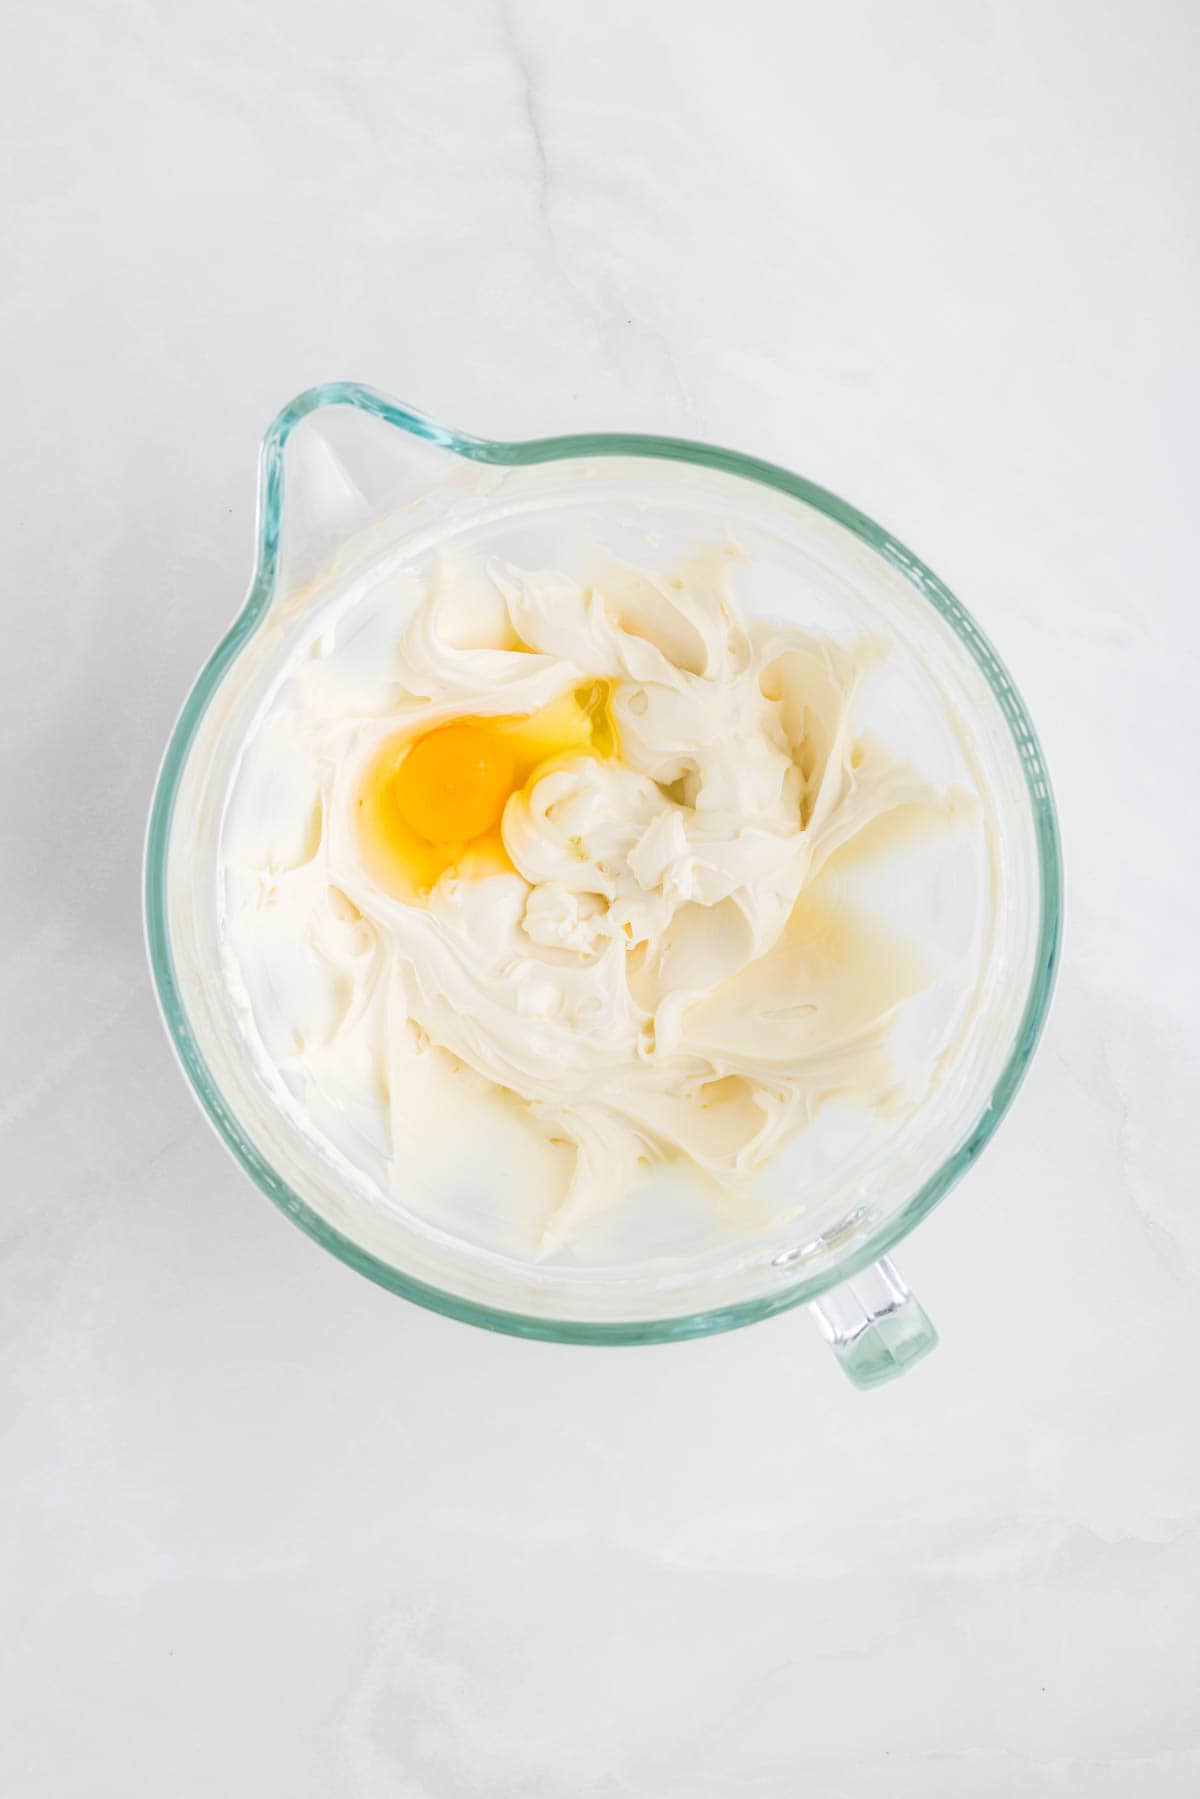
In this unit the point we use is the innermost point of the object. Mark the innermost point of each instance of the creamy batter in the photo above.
(569, 844)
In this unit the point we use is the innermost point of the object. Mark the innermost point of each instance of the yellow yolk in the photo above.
(453, 785)
(432, 802)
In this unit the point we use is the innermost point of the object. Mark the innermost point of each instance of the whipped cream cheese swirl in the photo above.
(661, 973)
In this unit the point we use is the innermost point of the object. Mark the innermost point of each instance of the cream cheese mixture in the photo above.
(569, 844)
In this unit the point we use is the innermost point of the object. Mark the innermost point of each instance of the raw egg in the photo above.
(434, 801)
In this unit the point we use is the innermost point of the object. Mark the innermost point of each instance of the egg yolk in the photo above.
(433, 802)
(453, 784)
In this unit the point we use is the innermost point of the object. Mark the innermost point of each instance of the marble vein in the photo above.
(607, 308)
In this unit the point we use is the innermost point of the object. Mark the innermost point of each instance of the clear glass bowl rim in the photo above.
(553, 449)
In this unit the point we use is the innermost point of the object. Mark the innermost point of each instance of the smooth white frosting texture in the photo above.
(666, 972)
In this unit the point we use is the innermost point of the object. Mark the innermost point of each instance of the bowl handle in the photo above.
(874, 1326)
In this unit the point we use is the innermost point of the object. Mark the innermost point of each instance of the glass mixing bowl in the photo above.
(350, 481)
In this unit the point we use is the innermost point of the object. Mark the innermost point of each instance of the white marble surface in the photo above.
(269, 1531)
